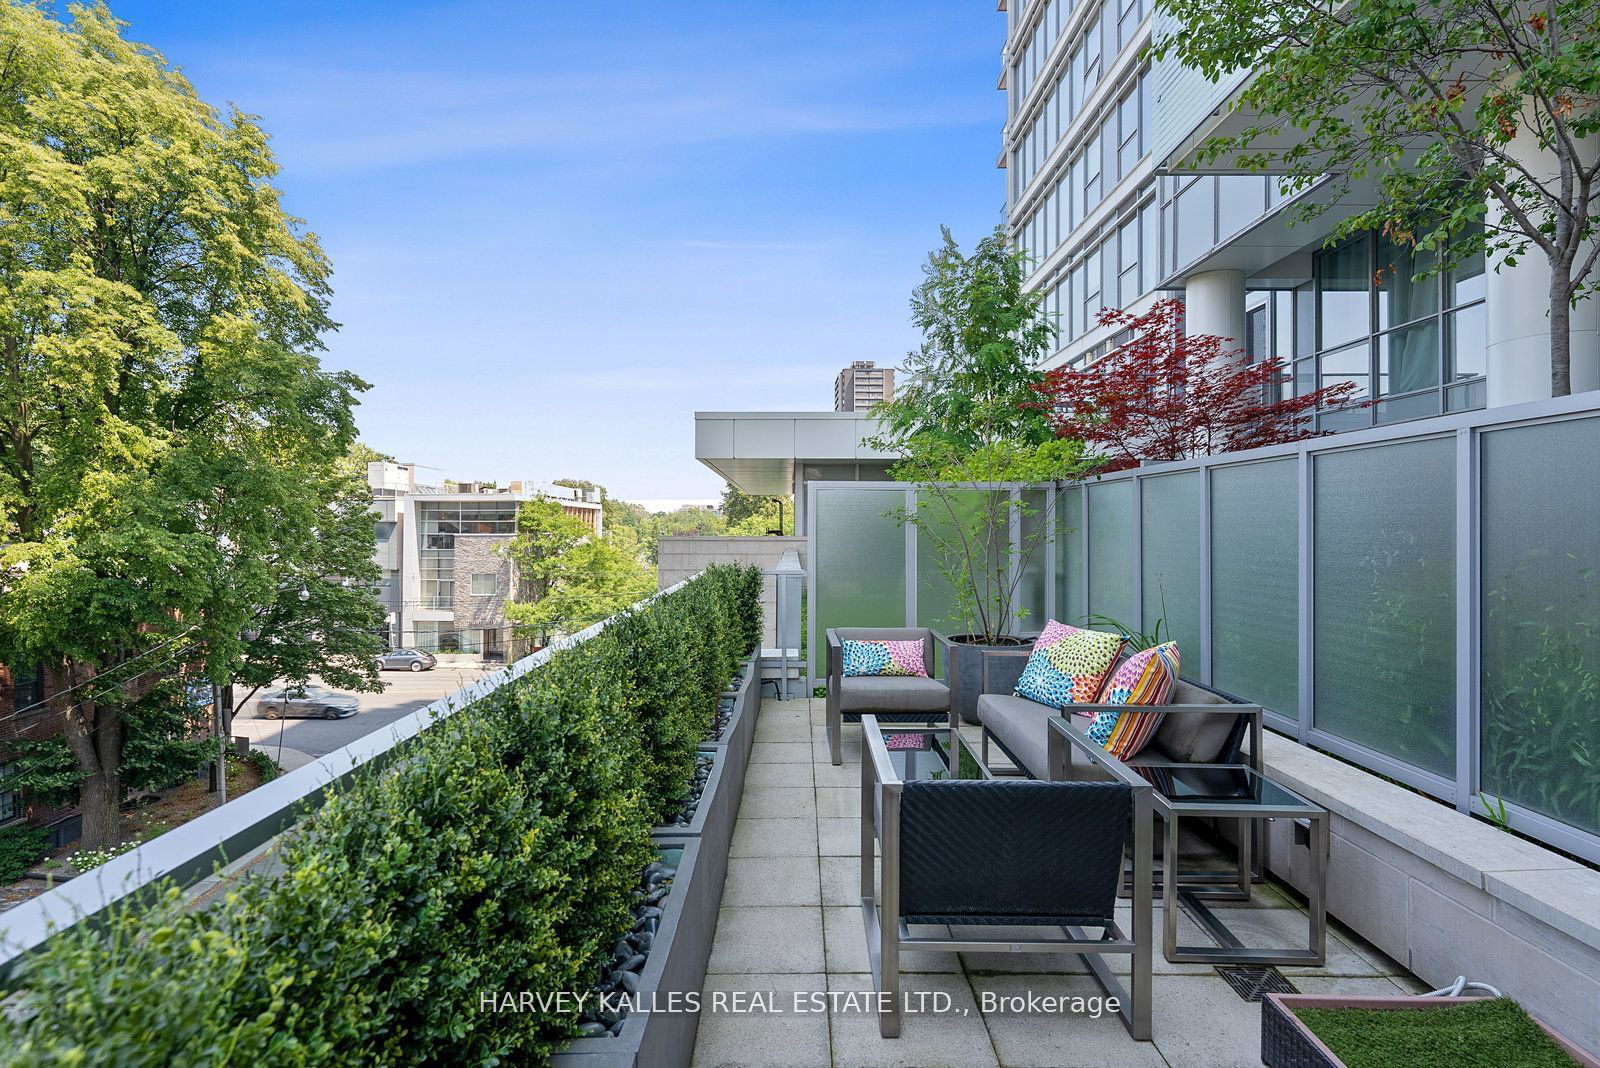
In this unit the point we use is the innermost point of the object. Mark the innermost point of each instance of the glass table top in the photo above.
(1217, 786)
(924, 753)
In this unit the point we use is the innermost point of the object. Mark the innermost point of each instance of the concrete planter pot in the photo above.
(739, 733)
(973, 669)
(1286, 1042)
(714, 818)
(660, 1029)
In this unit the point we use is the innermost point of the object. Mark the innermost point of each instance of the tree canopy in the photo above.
(168, 435)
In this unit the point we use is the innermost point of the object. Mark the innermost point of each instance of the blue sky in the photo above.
(558, 229)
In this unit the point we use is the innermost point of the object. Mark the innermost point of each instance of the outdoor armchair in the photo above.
(892, 698)
(1008, 866)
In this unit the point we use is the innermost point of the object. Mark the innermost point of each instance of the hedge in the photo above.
(499, 854)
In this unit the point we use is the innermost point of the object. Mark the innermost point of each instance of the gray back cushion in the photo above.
(1194, 737)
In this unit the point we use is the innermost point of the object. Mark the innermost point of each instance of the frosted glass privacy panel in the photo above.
(1255, 571)
(946, 524)
(1385, 607)
(1170, 541)
(860, 561)
(1541, 619)
(1112, 583)
(1033, 552)
(1071, 600)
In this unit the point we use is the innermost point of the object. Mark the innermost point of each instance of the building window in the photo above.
(10, 800)
(484, 585)
(27, 687)
(1413, 346)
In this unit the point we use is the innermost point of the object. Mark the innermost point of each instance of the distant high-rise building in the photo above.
(861, 385)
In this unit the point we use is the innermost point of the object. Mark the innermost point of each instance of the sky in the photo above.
(558, 229)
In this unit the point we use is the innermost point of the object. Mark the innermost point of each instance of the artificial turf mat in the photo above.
(1491, 1033)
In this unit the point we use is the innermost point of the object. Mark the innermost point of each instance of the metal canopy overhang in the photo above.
(759, 451)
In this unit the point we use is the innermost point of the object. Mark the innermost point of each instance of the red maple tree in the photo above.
(1163, 396)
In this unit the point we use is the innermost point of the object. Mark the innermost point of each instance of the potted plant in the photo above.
(967, 423)
(1332, 1031)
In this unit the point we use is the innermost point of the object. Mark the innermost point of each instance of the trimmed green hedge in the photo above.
(498, 856)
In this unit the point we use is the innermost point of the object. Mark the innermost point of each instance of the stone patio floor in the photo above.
(791, 923)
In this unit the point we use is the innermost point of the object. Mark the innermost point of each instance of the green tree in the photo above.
(597, 578)
(165, 424)
(1457, 126)
(750, 514)
(545, 535)
(968, 415)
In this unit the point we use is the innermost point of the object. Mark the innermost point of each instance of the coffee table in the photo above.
(1218, 791)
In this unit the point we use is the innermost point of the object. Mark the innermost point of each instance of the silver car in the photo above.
(308, 702)
(406, 660)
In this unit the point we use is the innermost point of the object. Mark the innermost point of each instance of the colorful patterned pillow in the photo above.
(1147, 677)
(1068, 665)
(883, 658)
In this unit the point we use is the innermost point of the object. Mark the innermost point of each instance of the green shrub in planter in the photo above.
(496, 854)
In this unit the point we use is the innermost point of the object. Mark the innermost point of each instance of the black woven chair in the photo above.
(1003, 852)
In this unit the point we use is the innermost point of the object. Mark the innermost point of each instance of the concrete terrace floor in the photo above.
(791, 922)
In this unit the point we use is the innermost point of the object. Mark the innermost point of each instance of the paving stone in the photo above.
(839, 836)
(845, 932)
(1057, 1039)
(953, 1039)
(1199, 1022)
(778, 802)
(762, 775)
(780, 753)
(772, 881)
(830, 775)
(786, 731)
(736, 1031)
(841, 880)
(782, 938)
(1354, 986)
(839, 801)
(757, 837)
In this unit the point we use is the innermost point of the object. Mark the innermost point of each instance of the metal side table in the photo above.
(1221, 791)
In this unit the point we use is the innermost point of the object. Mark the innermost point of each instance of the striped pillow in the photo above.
(1147, 677)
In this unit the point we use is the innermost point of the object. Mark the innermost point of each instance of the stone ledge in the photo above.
(1547, 886)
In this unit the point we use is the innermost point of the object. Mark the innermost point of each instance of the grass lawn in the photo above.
(1492, 1033)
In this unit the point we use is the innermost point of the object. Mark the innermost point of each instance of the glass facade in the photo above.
(1411, 347)
(440, 523)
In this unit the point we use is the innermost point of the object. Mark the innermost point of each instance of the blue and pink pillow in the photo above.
(867, 658)
(1148, 677)
(1068, 665)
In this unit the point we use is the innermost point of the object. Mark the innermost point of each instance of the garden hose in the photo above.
(1455, 989)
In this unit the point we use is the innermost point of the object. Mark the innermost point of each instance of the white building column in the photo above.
(1213, 303)
(1517, 311)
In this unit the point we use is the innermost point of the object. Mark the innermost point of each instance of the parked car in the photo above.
(309, 702)
(406, 660)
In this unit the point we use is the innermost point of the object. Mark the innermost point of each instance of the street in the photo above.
(403, 692)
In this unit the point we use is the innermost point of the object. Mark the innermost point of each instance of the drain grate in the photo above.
(1250, 981)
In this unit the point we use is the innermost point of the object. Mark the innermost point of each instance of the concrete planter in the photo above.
(1288, 1043)
(713, 820)
(661, 1029)
(972, 670)
(739, 734)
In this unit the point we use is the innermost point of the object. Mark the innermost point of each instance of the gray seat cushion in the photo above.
(892, 693)
(1020, 726)
(1191, 737)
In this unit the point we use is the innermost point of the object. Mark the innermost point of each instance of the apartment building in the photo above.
(861, 385)
(446, 577)
(1102, 195)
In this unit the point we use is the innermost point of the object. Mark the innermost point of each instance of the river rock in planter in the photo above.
(629, 956)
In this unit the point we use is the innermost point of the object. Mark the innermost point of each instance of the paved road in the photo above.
(403, 692)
